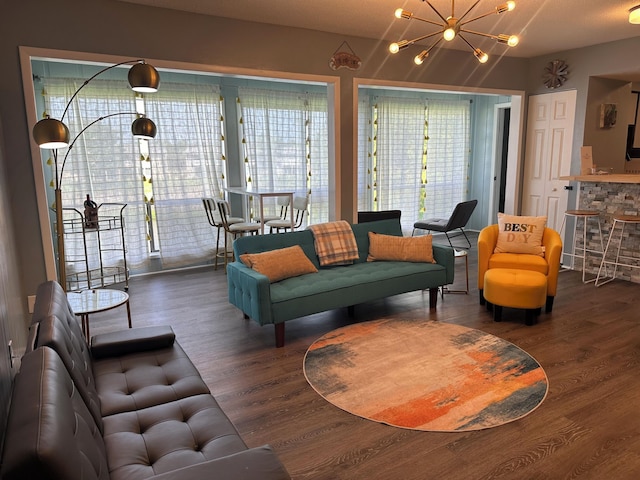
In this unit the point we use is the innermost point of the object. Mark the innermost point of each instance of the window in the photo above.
(186, 164)
(284, 129)
(162, 183)
(285, 142)
(413, 155)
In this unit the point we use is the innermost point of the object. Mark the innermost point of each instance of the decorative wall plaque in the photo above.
(343, 58)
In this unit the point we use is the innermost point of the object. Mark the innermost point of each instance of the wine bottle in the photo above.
(90, 213)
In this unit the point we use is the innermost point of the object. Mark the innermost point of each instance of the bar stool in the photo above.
(583, 215)
(622, 220)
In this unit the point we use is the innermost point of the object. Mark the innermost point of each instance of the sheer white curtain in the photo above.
(318, 158)
(365, 153)
(104, 162)
(399, 156)
(285, 141)
(447, 162)
(413, 155)
(187, 164)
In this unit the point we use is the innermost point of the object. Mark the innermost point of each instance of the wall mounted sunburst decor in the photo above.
(555, 73)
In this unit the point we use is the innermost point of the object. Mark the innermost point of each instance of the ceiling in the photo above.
(544, 26)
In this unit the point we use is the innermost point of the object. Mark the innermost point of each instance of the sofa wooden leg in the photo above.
(549, 306)
(482, 300)
(433, 298)
(246, 317)
(279, 327)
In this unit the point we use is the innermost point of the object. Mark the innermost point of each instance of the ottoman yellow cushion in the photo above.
(510, 287)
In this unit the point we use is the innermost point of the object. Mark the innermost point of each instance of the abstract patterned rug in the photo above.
(425, 375)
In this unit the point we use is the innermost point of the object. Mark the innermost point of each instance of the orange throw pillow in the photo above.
(280, 264)
(400, 249)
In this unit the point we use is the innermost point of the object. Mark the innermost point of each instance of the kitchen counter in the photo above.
(605, 178)
(610, 194)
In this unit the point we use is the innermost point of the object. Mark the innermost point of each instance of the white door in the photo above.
(548, 155)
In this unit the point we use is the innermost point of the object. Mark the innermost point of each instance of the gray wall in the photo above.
(13, 315)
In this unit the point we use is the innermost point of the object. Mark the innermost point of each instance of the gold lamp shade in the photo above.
(51, 133)
(143, 128)
(144, 78)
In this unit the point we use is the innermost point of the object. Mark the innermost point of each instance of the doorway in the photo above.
(502, 117)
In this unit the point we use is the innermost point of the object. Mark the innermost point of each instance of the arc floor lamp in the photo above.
(53, 134)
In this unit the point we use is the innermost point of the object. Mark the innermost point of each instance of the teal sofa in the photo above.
(331, 287)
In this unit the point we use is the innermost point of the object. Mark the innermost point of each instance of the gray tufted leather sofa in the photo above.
(130, 406)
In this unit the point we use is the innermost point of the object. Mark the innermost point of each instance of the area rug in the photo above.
(425, 375)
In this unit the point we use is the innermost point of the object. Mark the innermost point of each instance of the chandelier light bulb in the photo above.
(506, 7)
(420, 58)
(400, 13)
(449, 34)
(511, 40)
(480, 55)
(397, 46)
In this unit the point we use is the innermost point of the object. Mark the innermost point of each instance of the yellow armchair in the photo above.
(548, 265)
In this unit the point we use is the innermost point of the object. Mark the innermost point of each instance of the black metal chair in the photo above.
(457, 221)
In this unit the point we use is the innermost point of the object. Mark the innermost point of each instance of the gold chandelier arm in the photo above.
(426, 21)
(434, 9)
(424, 37)
(84, 84)
(510, 40)
(467, 42)
(467, 12)
(488, 35)
(496, 11)
(406, 43)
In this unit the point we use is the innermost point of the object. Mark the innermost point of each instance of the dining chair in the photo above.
(213, 216)
(233, 230)
(282, 204)
(300, 206)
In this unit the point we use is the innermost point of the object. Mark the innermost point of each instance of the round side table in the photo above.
(96, 300)
(460, 253)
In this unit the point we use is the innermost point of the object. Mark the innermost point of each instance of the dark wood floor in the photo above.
(588, 427)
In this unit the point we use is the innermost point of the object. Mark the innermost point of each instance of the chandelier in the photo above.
(452, 27)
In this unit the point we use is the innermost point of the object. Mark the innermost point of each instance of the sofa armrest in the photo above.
(259, 463)
(487, 239)
(443, 255)
(552, 252)
(132, 340)
(250, 291)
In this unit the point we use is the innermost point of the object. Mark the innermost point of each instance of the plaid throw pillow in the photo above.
(335, 243)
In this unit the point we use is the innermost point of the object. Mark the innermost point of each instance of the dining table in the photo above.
(261, 194)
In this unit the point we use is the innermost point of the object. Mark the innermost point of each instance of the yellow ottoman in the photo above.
(509, 287)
